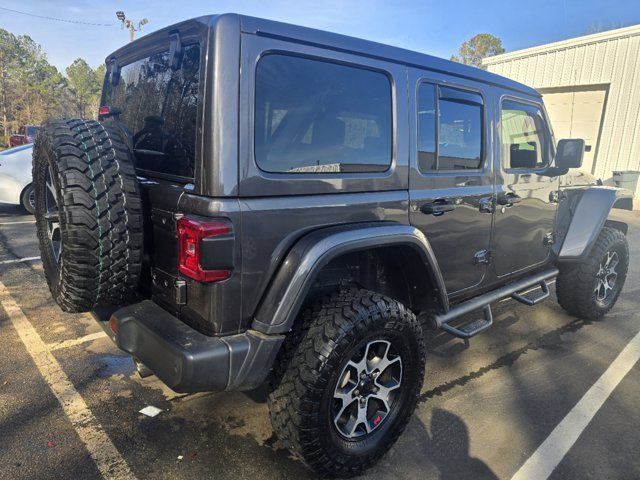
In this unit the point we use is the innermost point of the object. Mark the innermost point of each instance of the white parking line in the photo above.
(105, 455)
(548, 455)
(17, 223)
(18, 260)
(77, 341)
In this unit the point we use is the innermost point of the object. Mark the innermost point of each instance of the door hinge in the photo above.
(549, 239)
(487, 205)
(482, 257)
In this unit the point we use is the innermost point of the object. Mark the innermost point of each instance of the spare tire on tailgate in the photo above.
(88, 214)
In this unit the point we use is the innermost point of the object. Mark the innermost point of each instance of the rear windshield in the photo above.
(159, 105)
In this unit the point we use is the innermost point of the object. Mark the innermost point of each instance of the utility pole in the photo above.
(129, 24)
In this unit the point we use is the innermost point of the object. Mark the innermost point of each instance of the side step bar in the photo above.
(484, 302)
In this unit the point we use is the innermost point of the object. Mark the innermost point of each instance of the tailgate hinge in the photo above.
(181, 292)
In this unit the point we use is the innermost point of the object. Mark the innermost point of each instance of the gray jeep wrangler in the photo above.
(261, 202)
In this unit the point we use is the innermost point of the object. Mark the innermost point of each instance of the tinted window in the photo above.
(458, 130)
(160, 106)
(427, 127)
(315, 116)
(522, 137)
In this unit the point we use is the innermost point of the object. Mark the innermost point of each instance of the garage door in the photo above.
(577, 113)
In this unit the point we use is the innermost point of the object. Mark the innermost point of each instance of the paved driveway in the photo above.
(483, 412)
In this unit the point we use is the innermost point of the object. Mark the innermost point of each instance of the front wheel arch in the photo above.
(576, 281)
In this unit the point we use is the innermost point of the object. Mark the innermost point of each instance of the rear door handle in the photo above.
(437, 207)
(509, 199)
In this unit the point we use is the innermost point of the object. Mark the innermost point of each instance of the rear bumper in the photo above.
(185, 359)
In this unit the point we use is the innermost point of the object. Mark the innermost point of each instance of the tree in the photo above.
(29, 85)
(31, 89)
(481, 46)
(85, 83)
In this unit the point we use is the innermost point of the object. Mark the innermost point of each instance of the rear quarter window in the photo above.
(159, 105)
(315, 116)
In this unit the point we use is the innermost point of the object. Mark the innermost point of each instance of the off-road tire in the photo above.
(307, 371)
(25, 199)
(100, 214)
(575, 284)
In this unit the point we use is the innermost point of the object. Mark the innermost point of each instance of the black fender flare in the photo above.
(589, 217)
(281, 303)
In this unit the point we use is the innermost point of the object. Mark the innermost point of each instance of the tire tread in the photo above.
(294, 399)
(101, 214)
(574, 286)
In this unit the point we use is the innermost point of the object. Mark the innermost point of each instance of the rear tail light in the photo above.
(104, 110)
(191, 235)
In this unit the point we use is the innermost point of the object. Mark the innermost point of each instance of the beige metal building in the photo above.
(591, 89)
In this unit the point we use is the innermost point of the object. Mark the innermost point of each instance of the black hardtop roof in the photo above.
(343, 43)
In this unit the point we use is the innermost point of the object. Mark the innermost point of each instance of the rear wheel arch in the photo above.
(359, 246)
(395, 271)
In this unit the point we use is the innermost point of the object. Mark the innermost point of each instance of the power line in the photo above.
(57, 19)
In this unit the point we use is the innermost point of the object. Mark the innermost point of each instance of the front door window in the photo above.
(523, 137)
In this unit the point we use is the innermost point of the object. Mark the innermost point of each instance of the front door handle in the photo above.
(509, 199)
(437, 207)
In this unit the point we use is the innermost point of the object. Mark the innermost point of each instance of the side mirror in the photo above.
(569, 153)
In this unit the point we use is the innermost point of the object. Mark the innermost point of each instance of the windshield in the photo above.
(159, 105)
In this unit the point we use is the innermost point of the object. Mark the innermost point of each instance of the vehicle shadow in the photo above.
(443, 446)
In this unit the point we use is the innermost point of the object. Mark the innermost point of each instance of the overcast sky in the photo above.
(435, 27)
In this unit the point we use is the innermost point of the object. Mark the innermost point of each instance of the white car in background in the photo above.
(16, 184)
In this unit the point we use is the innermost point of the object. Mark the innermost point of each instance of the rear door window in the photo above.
(159, 105)
(320, 117)
(450, 126)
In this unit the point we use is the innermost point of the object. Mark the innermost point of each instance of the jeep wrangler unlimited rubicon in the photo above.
(261, 202)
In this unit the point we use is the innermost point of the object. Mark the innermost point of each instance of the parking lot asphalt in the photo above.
(483, 411)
